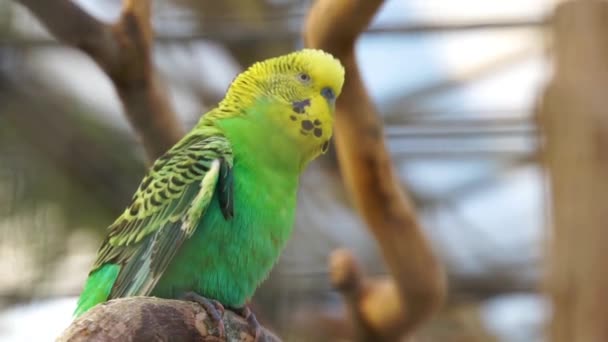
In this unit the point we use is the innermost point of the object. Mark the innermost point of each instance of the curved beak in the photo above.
(329, 95)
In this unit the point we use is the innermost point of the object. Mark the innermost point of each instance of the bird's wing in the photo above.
(165, 211)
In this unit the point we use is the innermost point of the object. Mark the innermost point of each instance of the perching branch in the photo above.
(155, 319)
(387, 309)
(123, 50)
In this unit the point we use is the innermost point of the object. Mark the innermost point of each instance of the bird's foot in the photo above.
(249, 316)
(214, 308)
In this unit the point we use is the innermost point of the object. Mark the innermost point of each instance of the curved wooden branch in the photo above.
(156, 319)
(334, 25)
(124, 52)
(375, 304)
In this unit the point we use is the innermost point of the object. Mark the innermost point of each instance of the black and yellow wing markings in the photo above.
(165, 211)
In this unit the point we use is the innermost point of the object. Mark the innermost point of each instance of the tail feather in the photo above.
(97, 288)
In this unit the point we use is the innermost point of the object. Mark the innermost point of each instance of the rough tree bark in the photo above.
(123, 50)
(384, 309)
(154, 319)
(573, 117)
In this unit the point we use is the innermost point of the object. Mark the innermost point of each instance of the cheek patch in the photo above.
(299, 107)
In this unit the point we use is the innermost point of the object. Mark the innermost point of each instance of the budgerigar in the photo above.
(213, 214)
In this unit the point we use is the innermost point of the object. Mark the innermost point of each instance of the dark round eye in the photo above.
(304, 77)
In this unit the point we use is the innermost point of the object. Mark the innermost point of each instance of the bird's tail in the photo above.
(97, 288)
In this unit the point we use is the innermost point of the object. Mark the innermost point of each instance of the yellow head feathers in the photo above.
(286, 77)
(293, 94)
(283, 106)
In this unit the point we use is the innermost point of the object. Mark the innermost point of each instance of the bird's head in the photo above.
(296, 92)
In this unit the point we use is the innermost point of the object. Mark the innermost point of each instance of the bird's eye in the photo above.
(304, 77)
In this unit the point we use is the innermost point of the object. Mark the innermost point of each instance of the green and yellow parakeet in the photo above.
(213, 214)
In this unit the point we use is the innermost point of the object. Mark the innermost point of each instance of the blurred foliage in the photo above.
(61, 154)
(61, 170)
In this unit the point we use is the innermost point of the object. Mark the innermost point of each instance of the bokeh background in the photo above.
(456, 84)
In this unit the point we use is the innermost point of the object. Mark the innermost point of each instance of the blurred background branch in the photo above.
(123, 51)
(574, 119)
(272, 35)
(370, 177)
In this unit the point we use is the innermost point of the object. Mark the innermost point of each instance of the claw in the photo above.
(214, 308)
(249, 316)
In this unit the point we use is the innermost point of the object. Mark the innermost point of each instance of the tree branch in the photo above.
(156, 319)
(419, 286)
(573, 118)
(124, 52)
